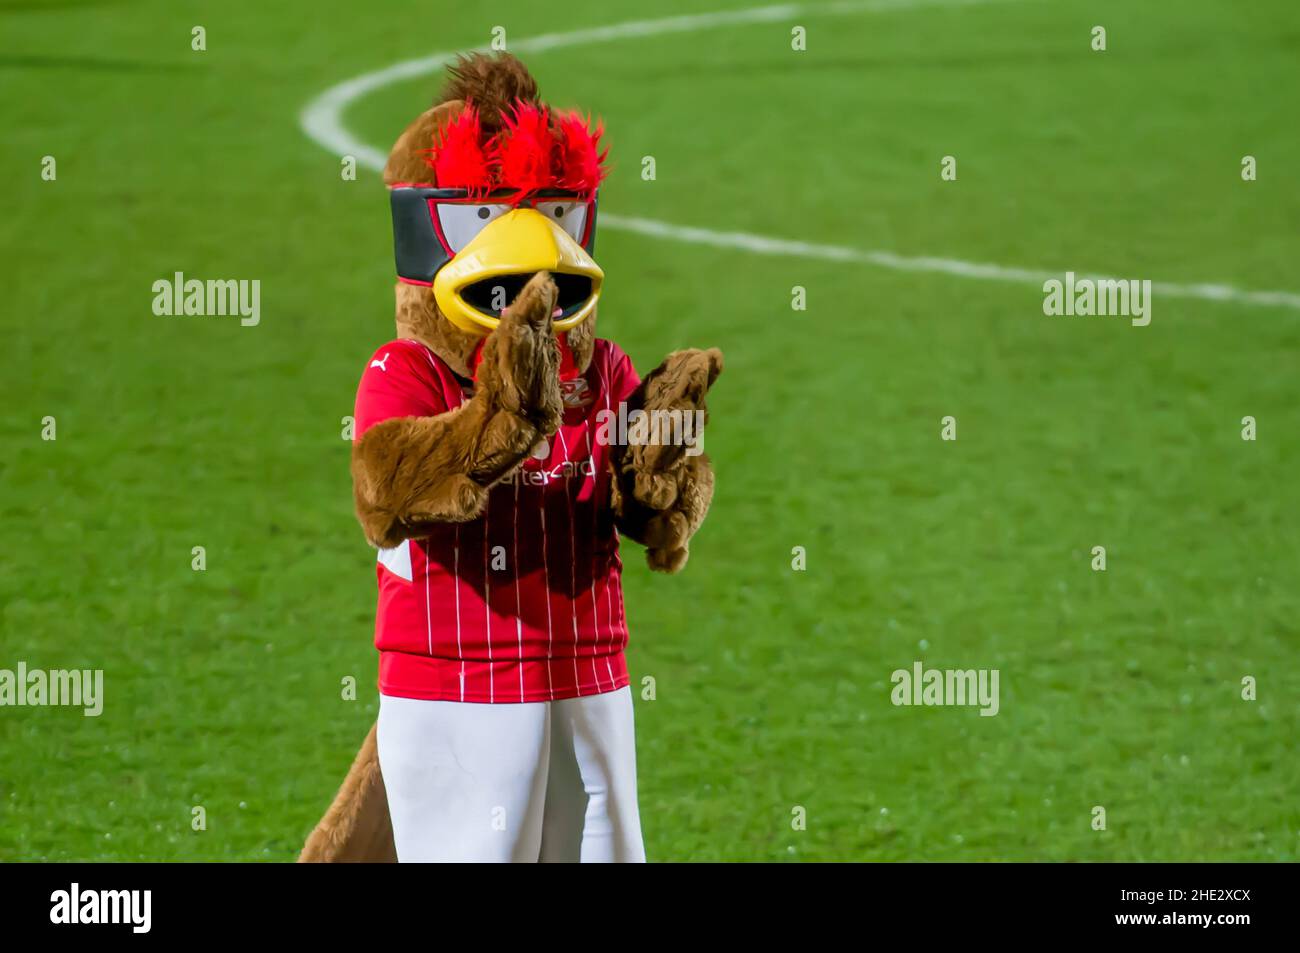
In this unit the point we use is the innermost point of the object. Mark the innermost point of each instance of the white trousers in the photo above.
(549, 781)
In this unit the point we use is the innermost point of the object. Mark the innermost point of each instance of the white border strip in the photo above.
(322, 121)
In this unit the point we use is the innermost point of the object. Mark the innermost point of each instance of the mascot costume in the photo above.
(482, 473)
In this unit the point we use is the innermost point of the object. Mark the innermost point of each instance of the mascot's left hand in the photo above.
(662, 490)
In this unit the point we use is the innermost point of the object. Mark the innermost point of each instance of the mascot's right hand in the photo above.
(520, 370)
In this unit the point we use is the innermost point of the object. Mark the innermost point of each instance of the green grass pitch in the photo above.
(1119, 689)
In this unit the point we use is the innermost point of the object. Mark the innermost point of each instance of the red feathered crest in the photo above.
(460, 159)
(535, 149)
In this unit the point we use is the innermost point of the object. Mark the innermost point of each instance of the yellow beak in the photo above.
(484, 276)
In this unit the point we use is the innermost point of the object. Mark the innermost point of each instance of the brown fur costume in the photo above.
(411, 472)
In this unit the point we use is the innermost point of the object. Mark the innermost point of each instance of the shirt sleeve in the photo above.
(399, 381)
(623, 378)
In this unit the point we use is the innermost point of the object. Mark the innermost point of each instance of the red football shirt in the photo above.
(525, 602)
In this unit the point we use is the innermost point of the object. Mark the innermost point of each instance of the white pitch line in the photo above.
(322, 118)
(762, 245)
(322, 121)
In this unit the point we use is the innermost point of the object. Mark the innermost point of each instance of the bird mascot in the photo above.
(495, 469)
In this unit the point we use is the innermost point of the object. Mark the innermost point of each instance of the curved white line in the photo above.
(322, 121)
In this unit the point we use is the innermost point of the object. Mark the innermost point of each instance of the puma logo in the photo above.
(379, 363)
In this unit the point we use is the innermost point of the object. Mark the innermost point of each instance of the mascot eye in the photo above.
(570, 216)
(460, 222)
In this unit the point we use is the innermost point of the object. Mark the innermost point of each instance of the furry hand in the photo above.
(662, 492)
(679, 384)
(520, 371)
(668, 532)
